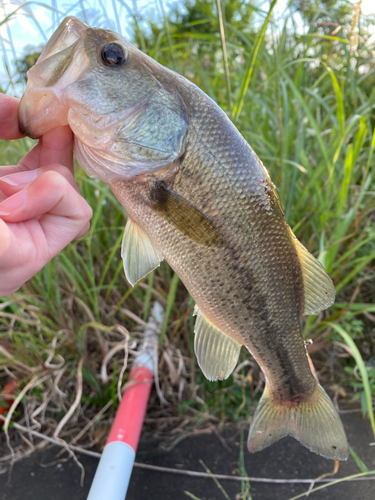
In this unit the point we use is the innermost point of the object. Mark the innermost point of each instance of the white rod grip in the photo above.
(112, 476)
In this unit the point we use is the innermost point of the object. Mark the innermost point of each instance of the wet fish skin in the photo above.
(197, 195)
(231, 282)
(257, 301)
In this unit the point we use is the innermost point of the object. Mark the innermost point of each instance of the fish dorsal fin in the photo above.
(318, 287)
(138, 253)
(217, 354)
(183, 215)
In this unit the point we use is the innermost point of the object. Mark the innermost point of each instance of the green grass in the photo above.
(305, 102)
(332, 483)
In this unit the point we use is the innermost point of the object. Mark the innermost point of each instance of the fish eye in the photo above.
(113, 54)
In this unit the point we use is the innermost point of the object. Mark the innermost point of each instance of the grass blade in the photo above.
(362, 369)
(170, 302)
(347, 478)
(361, 465)
(225, 57)
(251, 64)
(225, 494)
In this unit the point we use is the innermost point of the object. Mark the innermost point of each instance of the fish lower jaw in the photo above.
(41, 111)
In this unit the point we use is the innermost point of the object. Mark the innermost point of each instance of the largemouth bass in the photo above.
(197, 196)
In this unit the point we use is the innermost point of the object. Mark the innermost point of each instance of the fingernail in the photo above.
(8, 181)
(20, 178)
(11, 204)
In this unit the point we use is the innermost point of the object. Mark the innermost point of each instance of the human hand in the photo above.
(41, 210)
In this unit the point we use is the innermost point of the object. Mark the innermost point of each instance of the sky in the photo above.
(35, 23)
(368, 7)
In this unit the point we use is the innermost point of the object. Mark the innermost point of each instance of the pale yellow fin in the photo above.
(314, 421)
(137, 252)
(217, 354)
(318, 286)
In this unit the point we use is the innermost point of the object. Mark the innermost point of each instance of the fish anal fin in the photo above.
(138, 253)
(183, 215)
(319, 291)
(217, 354)
(314, 422)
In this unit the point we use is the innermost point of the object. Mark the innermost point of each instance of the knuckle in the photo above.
(57, 176)
(86, 211)
(81, 210)
(60, 169)
(52, 177)
(83, 231)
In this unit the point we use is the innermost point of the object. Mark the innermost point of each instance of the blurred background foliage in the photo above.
(301, 90)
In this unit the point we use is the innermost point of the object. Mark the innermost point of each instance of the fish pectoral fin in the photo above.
(217, 354)
(318, 287)
(184, 216)
(313, 421)
(138, 253)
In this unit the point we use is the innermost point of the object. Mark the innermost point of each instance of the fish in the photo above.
(198, 196)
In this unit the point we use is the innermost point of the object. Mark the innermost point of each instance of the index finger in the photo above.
(55, 146)
(9, 126)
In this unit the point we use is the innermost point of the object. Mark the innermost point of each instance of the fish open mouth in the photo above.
(42, 107)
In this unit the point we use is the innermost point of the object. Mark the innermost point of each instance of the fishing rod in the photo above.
(112, 476)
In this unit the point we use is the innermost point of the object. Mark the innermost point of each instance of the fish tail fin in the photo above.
(314, 421)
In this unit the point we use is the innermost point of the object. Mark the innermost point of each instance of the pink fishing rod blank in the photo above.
(115, 467)
(128, 422)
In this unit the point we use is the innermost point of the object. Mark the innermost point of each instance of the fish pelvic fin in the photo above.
(139, 255)
(313, 421)
(217, 354)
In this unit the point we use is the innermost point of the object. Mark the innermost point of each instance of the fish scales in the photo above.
(198, 196)
(246, 297)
